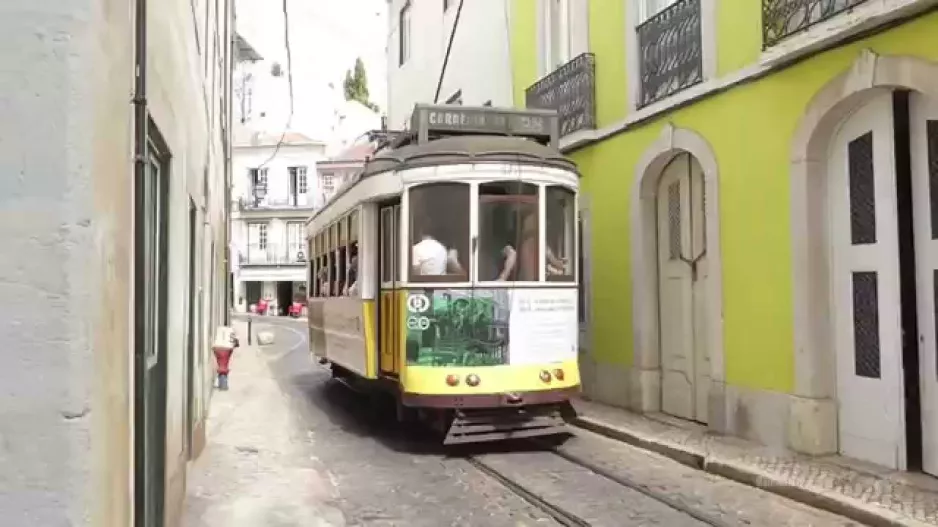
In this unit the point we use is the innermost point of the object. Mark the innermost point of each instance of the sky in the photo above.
(325, 38)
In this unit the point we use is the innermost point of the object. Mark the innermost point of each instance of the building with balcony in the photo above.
(275, 190)
(479, 70)
(759, 210)
(335, 172)
(116, 140)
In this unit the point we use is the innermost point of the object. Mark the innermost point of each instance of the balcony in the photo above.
(784, 18)
(259, 202)
(571, 91)
(275, 255)
(671, 51)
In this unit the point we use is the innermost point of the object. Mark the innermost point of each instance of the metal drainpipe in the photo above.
(229, 13)
(140, 167)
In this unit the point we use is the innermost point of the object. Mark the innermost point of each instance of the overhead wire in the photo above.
(286, 128)
(449, 49)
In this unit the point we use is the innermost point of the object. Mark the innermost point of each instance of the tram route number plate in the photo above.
(420, 323)
(418, 303)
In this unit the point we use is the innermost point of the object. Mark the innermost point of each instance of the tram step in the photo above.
(477, 426)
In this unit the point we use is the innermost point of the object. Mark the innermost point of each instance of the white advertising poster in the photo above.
(543, 325)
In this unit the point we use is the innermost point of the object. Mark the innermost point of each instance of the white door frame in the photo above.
(813, 409)
(643, 223)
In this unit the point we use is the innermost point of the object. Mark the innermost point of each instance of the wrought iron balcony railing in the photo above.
(671, 51)
(783, 18)
(299, 201)
(268, 254)
(571, 91)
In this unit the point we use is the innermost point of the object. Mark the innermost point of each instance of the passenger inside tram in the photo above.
(430, 257)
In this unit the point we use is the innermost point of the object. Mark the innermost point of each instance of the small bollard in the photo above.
(249, 331)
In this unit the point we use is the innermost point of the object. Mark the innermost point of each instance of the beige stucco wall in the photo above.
(66, 266)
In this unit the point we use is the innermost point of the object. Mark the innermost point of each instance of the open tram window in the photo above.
(341, 254)
(311, 265)
(439, 232)
(509, 245)
(352, 276)
(560, 219)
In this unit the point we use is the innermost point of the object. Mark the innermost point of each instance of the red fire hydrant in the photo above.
(223, 346)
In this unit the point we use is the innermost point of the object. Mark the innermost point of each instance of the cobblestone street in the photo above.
(289, 447)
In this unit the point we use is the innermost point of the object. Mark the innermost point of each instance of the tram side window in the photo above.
(560, 218)
(311, 267)
(351, 283)
(508, 232)
(439, 232)
(322, 278)
(387, 245)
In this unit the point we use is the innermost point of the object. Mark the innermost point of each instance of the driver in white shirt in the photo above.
(429, 257)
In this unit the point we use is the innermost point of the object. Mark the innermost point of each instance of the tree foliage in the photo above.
(356, 85)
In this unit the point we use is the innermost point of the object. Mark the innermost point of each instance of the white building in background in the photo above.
(274, 191)
(338, 170)
(479, 68)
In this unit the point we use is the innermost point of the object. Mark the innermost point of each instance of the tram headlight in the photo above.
(452, 380)
(545, 376)
(473, 379)
(558, 374)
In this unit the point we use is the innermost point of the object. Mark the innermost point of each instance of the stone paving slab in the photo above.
(823, 483)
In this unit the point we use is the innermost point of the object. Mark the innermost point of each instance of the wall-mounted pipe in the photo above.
(140, 138)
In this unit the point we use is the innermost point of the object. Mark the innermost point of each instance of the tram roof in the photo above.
(468, 149)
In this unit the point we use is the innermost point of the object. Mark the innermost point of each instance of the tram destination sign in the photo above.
(535, 124)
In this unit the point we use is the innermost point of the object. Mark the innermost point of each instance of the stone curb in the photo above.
(831, 502)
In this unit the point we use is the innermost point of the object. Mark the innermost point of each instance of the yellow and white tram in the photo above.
(444, 274)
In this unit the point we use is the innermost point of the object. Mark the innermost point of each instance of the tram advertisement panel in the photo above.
(491, 327)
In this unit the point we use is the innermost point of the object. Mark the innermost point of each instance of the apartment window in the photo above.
(328, 183)
(258, 178)
(405, 35)
(556, 33)
(302, 183)
(455, 98)
(650, 8)
(257, 236)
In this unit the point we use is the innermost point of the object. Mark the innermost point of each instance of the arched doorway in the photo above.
(677, 290)
(865, 218)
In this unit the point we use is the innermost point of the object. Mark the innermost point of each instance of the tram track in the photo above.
(562, 514)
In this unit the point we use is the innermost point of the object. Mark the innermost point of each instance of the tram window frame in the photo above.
(527, 195)
(386, 246)
(341, 255)
(330, 260)
(570, 235)
(463, 253)
(352, 254)
(310, 265)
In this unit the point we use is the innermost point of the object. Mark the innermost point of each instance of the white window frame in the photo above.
(302, 181)
(405, 38)
(574, 35)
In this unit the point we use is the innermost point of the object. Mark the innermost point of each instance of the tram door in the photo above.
(389, 311)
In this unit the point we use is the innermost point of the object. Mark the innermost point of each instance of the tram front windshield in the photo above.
(509, 244)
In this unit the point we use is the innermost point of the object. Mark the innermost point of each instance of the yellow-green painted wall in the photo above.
(750, 129)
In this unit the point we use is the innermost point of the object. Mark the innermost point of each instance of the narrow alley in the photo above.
(288, 446)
